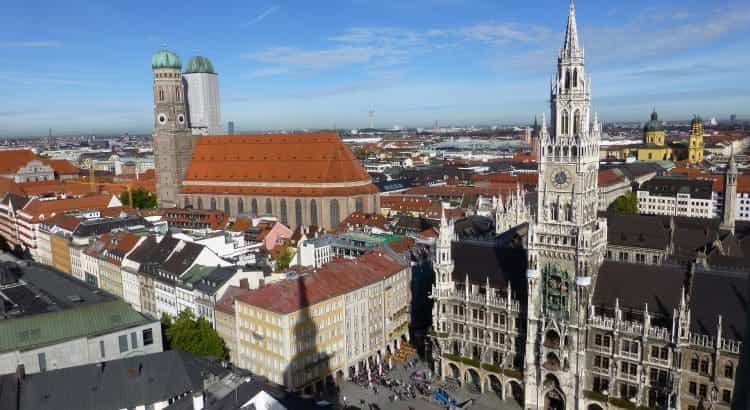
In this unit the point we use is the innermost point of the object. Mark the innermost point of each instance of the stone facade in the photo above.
(173, 142)
(567, 330)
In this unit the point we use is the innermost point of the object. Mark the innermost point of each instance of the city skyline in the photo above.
(285, 66)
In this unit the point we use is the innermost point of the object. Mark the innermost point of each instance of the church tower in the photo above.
(173, 144)
(730, 195)
(695, 148)
(566, 240)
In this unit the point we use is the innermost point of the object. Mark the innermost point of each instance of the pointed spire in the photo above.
(571, 44)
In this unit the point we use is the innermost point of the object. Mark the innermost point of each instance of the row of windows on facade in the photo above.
(178, 94)
(701, 365)
(283, 214)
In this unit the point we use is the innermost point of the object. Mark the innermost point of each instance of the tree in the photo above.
(192, 335)
(283, 260)
(626, 204)
(142, 199)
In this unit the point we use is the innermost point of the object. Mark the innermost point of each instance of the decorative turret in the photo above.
(444, 249)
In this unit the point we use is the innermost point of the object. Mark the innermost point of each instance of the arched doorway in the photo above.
(516, 391)
(453, 372)
(472, 377)
(554, 400)
(494, 385)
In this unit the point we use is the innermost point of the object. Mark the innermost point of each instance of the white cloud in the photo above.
(260, 17)
(641, 38)
(387, 46)
(266, 72)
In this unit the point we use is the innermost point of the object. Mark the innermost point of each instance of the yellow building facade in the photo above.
(60, 253)
(341, 320)
(655, 146)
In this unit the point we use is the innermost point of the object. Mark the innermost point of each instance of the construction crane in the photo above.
(92, 182)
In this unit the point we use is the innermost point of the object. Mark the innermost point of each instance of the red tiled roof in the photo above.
(11, 160)
(37, 208)
(609, 177)
(402, 203)
(62, 166)
(273, 191)
(402, 245)
(363, 219)
(333, 279)
(67, 222)
(226, 303)
(743, 183)
(54, 187)
(305, 158)
(9, 186)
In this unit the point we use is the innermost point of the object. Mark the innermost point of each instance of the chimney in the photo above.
(21, 373)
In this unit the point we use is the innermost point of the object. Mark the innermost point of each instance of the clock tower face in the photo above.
(559, 178)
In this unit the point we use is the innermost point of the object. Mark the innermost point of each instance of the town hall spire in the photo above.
(571, 46)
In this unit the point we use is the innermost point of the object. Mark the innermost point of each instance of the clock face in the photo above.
(162, 119)
(181, 119)
(560, 180)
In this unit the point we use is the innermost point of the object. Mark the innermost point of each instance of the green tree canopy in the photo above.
(626, 204)
(193, 335)
(283, 260)
(142, 199)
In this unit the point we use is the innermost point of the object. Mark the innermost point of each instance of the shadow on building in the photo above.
(311, 371)
(423, 277)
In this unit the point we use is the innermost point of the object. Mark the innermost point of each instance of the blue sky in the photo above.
(84, 66)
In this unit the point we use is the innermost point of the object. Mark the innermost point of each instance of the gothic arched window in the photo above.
(565, 120)
(254, 207)
(227, 208)
(269, 207)
(282, 212)
(567, 80)
(240, 206)
(213, 204)
(335, 218)
(161, 94)
(200, 203)
(298, 212)
(313, 212)
(574, 151)
(575, 78)
(177, 93)
(577, 122)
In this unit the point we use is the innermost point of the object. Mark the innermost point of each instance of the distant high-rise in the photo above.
(230, 128)
(50, 139)
(733, 118)
(202, 87)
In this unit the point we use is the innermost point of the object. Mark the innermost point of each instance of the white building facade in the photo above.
(202, 88)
